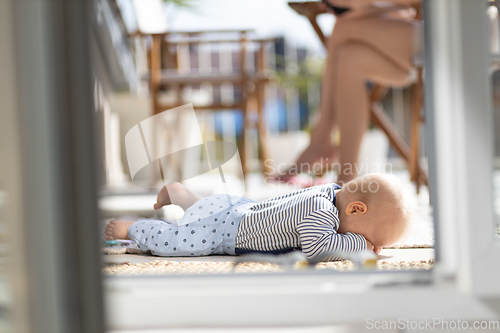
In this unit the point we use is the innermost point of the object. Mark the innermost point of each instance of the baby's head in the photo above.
(376, 206)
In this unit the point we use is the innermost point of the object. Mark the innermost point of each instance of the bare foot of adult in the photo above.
(313, 159)
(117, 229)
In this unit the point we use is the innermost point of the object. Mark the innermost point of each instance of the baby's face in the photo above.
(378, 233)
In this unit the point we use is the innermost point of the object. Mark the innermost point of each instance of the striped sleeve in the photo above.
(318, 235)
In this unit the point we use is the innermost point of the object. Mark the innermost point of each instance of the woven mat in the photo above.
(165, 267)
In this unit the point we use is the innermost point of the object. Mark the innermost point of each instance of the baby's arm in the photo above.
(318, 235)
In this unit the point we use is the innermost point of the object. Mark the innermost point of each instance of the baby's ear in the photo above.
(356, 208)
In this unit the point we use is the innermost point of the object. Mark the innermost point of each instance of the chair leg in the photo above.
(407, 152)
(381, 120)
(242, 142)
(155, 62)
(415, 134)
(262, 139)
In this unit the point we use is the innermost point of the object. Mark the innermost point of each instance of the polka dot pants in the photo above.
(208, 227)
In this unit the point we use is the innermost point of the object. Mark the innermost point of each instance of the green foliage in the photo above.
(188, 4)
(300, 75)
(304, 77)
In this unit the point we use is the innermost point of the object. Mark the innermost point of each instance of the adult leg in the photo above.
(358, 63)
(390, 37)
(320, 146)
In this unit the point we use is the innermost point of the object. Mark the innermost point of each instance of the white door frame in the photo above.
(461, 124)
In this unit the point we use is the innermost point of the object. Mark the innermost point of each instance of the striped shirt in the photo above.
(306, 219)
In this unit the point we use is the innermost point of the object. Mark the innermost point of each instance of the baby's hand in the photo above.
(369, 245)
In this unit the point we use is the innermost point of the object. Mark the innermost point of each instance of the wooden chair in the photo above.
(165, 72)
(409, 152)
(164, 52)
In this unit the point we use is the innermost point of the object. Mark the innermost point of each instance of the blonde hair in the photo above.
(389, 202)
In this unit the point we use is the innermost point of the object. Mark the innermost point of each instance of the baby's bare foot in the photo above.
(163, 198)
(117, 229)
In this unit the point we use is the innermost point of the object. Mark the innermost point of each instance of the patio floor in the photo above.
(394, 255)
(135, 264)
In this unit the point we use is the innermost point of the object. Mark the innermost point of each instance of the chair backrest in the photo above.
(229, 50)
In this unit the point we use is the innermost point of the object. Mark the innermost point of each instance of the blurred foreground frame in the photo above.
(54, 266)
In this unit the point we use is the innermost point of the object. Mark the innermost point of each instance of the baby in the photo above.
(368, 213)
